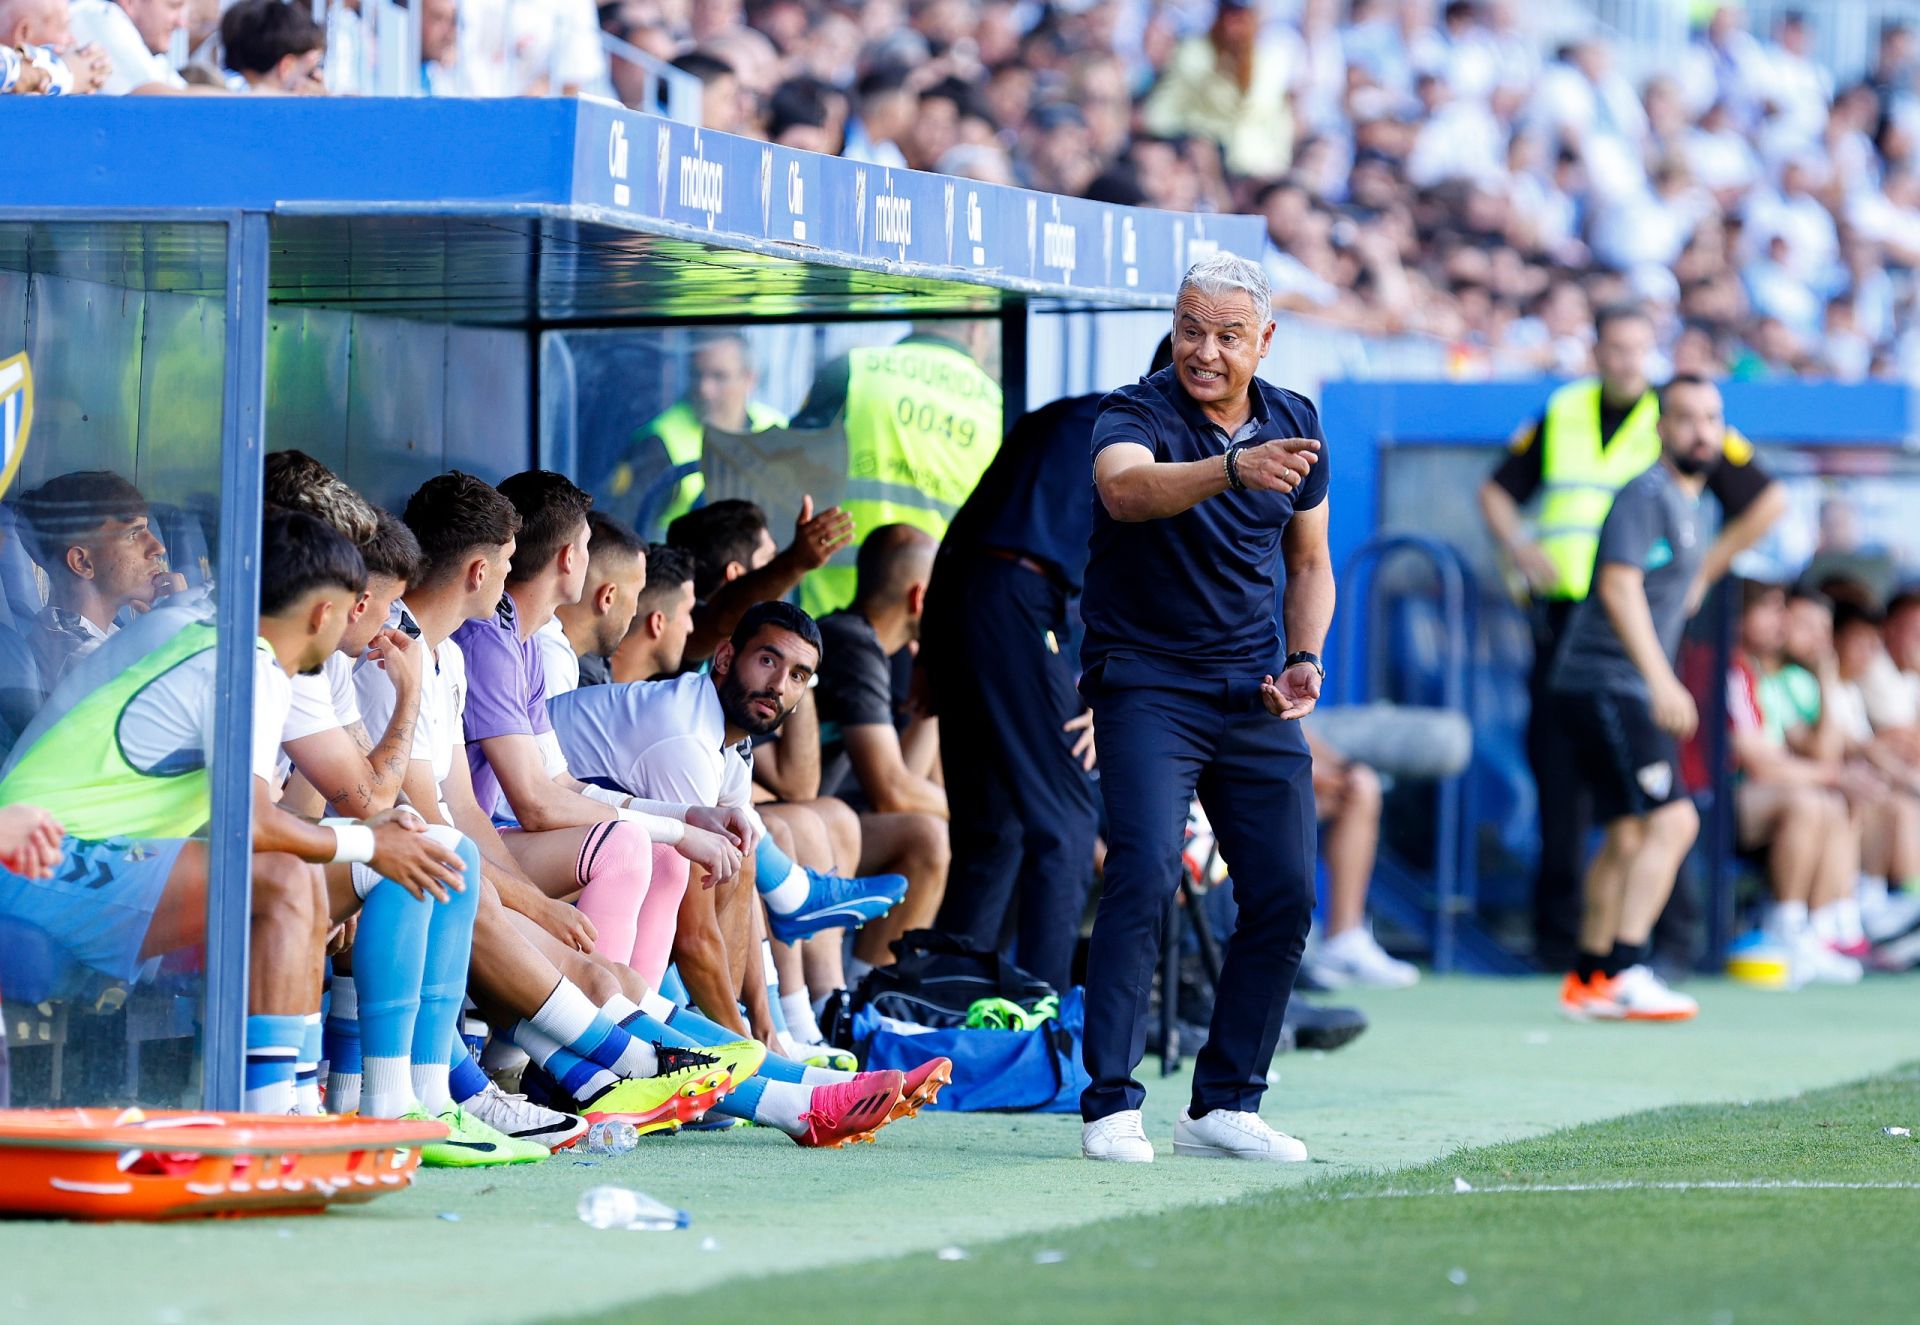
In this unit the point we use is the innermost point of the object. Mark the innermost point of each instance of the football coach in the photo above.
(1205, 479)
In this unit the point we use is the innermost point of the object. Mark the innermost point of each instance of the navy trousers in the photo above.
(1162, 739)
(1022, 807)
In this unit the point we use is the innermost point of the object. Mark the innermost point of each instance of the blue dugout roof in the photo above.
(555, 211)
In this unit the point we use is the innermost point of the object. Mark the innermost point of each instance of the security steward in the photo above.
(1016, 747)
(922, 418)
(1205, 479)
(719, 395)
(1594, 436)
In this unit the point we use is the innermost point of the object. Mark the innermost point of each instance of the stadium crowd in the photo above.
(1422, 168)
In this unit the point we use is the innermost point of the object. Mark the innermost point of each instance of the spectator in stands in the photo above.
(27, 24)
(735, 564)
(809, 114)
(1792, 805)
(592, 628)
(656, 643)
(891, 772)
(444, 70)
(135, 37)
(274, 45)
(101, 555)
(722, 104)
(1231, 86)
(885, 109)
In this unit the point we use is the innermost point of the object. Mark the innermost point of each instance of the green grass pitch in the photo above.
(1476, 1080)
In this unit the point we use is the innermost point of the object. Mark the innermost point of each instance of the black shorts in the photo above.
(1622, 757)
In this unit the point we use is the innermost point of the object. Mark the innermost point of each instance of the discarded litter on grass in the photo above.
(622, 1207)
(952, 1253)
(1462, 1185)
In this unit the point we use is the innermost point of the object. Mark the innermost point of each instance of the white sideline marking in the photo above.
(1706, 1186)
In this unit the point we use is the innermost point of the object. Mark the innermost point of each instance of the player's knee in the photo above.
(932, 843)
(289, 892)
(1677, 823)
(1363, 791)
(597, 980)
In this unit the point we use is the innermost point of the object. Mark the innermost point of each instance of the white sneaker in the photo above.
(1643, 996)
(1118, 1137)
(1225, 1134)
(523, 1120)
(1890, 917)
(1355, 958)
(1813, 962)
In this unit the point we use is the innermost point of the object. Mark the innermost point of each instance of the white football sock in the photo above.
(800, 1019)
(788, 895)
(430, 1086)
(388, 1092)
(781, 1105)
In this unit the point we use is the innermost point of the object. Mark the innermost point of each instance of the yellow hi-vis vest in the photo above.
(1581, 477)
(77, 772)
(681, 432)
(923, 424)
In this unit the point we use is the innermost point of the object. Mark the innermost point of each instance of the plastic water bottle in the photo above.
(622, 1207)
(611, 1138)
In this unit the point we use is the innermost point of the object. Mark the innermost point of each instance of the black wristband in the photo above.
(1310, 659)
(1233, 467)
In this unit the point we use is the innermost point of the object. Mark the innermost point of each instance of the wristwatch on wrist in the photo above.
(1310, 659)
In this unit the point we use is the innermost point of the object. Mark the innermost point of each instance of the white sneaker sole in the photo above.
(1116, 1159)
(1201, 1150)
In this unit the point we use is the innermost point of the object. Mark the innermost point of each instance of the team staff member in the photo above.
(1015, 746)
(1205, 477)
(1623, 708)
(1594, 436)
(922, 419)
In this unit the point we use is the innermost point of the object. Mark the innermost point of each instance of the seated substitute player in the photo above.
(737, 565)
(822, 837)
(585, 633)
(125, 766)
(682, 738)
(596, 1050)
(1615, 688)
(528, 969)
(655, 645)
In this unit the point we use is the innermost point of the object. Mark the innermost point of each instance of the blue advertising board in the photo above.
(596, 162)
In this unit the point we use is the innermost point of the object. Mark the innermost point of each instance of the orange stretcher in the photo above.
(175, 1164)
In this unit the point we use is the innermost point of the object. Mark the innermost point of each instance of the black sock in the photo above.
(1586, 965)
(1625, 955)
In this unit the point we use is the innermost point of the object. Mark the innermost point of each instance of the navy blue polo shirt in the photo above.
(1194, 594)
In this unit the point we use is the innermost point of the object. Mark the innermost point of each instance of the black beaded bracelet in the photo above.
(1233, 468)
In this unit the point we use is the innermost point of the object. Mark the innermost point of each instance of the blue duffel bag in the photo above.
(1036, 1071)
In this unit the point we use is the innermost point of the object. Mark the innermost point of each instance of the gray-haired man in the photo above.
(1205, 478)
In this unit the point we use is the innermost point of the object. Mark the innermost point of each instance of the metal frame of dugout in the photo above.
(497, 221)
